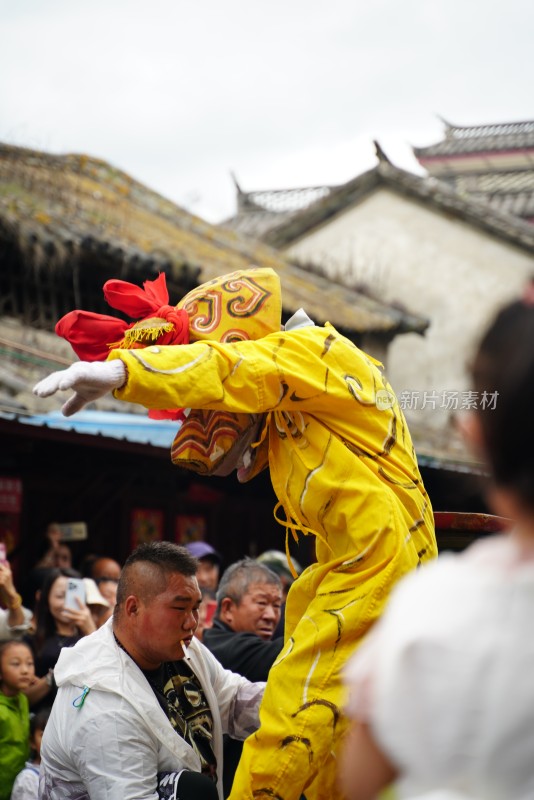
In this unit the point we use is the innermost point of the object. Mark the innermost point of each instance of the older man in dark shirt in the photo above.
(249, 601)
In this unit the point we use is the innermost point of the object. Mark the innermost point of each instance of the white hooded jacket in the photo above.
(112, 742)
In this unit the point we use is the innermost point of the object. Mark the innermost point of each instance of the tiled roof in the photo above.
(258, 212)
(480, 138)
(256, 222)
(56, 207)
(444, 448)
(487, 162)
(430, 191)
(491, 183)
(283, 200)
(517, 203)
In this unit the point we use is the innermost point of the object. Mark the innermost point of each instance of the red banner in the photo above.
(10, 495)
(146, 526)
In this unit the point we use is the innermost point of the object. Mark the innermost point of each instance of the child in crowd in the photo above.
(16, 673)
(441, 692)
(26, 786)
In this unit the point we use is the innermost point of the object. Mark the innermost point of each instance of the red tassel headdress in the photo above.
(93, 335)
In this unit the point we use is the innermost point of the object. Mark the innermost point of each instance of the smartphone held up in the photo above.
(75, 591)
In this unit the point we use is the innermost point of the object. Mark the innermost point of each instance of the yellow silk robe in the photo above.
(343, 467)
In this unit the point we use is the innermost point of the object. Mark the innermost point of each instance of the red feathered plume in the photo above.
(93, 335)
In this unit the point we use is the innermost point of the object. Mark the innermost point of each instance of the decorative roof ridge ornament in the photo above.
(380, 153)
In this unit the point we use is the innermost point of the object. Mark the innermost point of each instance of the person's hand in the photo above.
(53, 535)
(39, 688)
(10, 597)
(7, 587)
(81, 617)
(90, 380)
(186, 785)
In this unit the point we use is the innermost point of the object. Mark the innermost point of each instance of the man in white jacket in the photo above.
(141, 699)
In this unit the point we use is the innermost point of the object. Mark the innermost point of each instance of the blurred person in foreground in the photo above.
(248, 610)
(303, 401)
(441, 692)
(142, 705)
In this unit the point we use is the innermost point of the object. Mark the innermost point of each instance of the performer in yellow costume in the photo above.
(307, 403)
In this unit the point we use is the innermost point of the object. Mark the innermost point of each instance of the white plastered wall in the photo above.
(436, 266)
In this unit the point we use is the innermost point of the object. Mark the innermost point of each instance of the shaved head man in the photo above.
(144, 691)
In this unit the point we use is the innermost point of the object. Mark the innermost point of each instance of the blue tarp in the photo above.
(129, 427)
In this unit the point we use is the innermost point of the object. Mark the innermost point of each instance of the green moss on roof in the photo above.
(72, 197)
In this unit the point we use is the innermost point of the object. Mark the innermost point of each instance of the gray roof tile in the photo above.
(431, 191)
(480, 138)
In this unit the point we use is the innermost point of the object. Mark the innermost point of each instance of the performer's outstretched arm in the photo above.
(89, 380)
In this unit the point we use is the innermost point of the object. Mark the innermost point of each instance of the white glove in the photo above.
(89, 380)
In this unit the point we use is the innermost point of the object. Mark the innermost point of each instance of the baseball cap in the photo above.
(277, 561)
(203, 550)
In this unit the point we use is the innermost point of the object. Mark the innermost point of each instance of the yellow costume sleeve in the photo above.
(343, 468)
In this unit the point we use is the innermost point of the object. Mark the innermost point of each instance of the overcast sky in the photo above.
(284, 93)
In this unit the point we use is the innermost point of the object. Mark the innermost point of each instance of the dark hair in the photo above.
(43, 545)
(238, 577)
(165, 557)
(38, 721)
(45, 624)
(86, 564)
(504, 368)
(5, 646)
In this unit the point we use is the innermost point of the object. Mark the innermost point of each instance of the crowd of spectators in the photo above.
(33, 632)
(240, 612)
